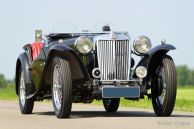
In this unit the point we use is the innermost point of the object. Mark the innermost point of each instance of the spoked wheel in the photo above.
(26, 105)
(164, 91)
(61, 88)
(111, 104)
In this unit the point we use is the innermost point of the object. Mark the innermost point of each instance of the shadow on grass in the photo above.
(92, 114)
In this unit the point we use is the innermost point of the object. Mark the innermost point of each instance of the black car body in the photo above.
(81, 67)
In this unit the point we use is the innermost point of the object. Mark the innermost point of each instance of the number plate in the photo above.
(117, 92)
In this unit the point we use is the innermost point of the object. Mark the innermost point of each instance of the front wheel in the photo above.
(26, 105)
(164, 87)
(61, 88)
(111, 104)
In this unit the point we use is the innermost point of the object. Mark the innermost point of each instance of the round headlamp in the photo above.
(83, 44)
(142, 44)
(141, 72)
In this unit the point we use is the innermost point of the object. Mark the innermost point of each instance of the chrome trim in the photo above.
(135, 80)
(120, 82)
(93, 73)
(114, 59)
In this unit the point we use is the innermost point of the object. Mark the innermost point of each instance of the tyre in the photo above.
(164, 87)
(111, 104)
(61, 88)
(26, 105)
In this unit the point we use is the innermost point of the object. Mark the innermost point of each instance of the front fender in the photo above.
(24, 63)
(78, 69)
(164, 47)
(153, 58)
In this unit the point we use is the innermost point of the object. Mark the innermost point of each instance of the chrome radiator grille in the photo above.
(114, 59)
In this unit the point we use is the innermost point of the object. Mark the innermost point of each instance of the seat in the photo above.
(36, 49)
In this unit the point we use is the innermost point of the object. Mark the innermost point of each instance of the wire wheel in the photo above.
(26, 104)
(22, 90)
(164, 87)
(57, 86)
(61, 87)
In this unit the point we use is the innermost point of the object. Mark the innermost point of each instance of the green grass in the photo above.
(184, 99)
(8, 93)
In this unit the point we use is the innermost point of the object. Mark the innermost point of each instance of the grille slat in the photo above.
(114, 59)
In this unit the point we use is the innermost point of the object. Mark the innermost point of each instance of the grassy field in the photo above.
(184, 100)
(8, 93)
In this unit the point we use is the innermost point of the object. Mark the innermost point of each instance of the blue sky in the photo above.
(157, 19)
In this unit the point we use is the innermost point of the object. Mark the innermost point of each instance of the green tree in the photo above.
(185, 76)
(182, 75)
(2, 81)
(191, 77)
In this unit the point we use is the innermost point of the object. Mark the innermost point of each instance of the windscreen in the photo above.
(69, 27)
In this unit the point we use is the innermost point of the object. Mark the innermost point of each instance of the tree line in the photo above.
(5, 82)
(185, 76)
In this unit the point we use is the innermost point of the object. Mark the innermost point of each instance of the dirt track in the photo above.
(89, 117)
